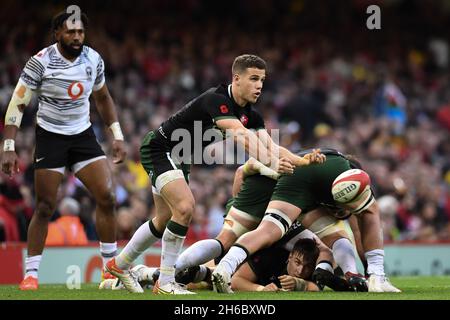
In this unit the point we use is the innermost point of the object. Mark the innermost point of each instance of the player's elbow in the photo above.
(239, 174)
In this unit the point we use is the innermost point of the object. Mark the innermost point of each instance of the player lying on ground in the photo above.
(253, 187)
(287, 265)
(303, 196)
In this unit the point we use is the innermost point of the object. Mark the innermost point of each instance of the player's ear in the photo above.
(236, 77)
(57, 34)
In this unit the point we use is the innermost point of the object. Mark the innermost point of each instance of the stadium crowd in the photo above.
(382, 95)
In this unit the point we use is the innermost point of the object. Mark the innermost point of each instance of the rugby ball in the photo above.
(350, 185)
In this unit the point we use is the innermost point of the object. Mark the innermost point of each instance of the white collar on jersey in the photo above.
(59, 54)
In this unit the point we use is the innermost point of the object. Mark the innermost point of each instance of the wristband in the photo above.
(300, 284)
(116, 131)
(8, 145)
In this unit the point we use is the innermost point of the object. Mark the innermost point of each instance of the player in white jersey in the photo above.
(63, 76)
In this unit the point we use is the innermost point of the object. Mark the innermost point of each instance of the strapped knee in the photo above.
(326, 225)
(281, 220)
(230, 223)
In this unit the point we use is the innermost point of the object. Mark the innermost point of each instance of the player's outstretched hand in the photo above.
(315, 157)
(287, 282)
(119, 152)
(10, 164)
(285, 166)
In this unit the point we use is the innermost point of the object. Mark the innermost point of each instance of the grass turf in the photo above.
(414, 288)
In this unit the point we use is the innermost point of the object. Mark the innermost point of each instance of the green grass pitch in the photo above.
(414, 288)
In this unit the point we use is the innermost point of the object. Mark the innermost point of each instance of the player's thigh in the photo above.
(84, 150)
(97, 178)
(46, 184)
(278, 218)
(51, 151)
(295, 190)
(169, 179)
(251, 202)
(267, 233)
(324, 225)
(178, 196)
(284, 209)
(247, 209)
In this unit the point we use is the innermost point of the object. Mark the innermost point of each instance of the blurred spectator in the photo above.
(67, 230)
(388, 210)
(126, 224)
(381, 95)
(15, 210)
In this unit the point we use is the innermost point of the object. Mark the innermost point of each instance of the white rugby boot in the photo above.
(127, 277)
(381, 284)
(171, 288)
(221, 280)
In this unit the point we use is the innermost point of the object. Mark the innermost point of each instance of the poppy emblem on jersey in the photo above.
(244, 120)
(223, 109)
(75, 90)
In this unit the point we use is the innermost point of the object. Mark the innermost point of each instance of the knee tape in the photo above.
(280, 219)
(327, 225)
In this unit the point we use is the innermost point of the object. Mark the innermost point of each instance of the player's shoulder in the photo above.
(217, 93)
(44, 55)
(91, 53)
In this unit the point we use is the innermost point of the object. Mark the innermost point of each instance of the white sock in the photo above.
(147, 275)
(32, 266)
(142, 239)
(344, 255)
(201, 274)
(171, 247)
(325, 265)
(235, 256)
(375, 261)
(107, 251)
(200, 252)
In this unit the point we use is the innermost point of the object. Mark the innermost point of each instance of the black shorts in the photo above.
(55, 150)
(156, 159)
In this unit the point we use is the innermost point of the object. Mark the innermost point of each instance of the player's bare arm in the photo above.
(20, 99)
(106, 109)
(245, 280)
(249, 140)
(313, 157)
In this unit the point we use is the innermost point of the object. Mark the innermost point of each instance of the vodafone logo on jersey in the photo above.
(75, 90)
